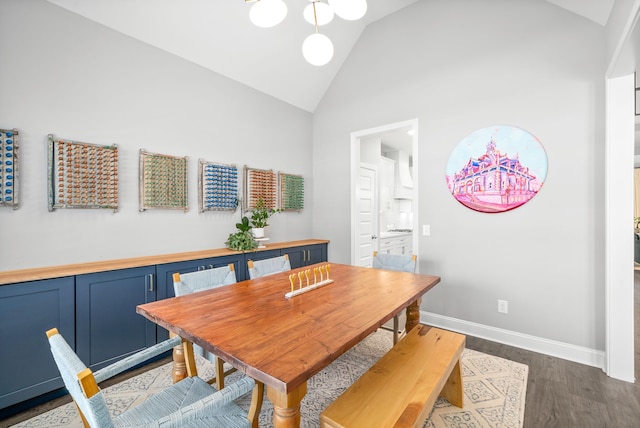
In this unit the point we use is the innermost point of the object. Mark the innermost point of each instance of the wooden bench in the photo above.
(402, 387)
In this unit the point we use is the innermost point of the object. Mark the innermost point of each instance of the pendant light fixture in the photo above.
(317, 48)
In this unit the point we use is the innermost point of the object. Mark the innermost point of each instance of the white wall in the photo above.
(65, 75)
(528, 64)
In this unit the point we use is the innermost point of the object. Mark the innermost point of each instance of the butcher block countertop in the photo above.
(22, 275)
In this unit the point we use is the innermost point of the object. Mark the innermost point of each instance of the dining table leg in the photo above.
(179, 370)
(413, 315)
(286, 406)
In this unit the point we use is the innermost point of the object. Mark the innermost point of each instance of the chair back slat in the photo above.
(260, 268)
(204, 279)
(397, 262)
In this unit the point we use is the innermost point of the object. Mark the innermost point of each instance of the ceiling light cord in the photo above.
(315, 16)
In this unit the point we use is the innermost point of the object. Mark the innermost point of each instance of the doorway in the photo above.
(389, 155)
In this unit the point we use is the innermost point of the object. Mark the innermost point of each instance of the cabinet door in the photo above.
(316, 254)
(306, 255)
(297, 256)
(27, 311)
(107, 325)
(385, 245)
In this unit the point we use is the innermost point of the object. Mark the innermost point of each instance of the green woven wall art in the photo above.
(291, 192)
(163, 181)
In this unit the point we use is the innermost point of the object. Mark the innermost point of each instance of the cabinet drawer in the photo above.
(396, 245)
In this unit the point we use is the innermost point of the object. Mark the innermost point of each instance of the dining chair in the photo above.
(191, 402)
(260, 268)
(201, 280)
(397, 262)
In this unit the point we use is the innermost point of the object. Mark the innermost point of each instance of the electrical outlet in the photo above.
(503, 306)
(426, 230)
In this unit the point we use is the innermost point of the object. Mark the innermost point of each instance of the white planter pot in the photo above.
(257, 232)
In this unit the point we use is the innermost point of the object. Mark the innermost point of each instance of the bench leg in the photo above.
(453, 388)
(396, 326)
(413, 315)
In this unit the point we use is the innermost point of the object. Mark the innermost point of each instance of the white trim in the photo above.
(619, 281)
(619, 312)
(567, 351)
(355, 167)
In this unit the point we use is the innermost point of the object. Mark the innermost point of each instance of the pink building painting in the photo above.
(487, 179)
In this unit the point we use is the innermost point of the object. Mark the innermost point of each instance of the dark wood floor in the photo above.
(564, 394)
(560, 393)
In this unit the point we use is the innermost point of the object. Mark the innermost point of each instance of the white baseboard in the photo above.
(579, 354)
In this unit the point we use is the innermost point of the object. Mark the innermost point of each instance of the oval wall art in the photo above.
(496, 169)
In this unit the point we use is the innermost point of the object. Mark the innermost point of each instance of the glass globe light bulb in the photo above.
(268, 13)
(324, 13)
(350, 10)
(317, 49)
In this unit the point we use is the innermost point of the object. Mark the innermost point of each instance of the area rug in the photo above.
(494, 390)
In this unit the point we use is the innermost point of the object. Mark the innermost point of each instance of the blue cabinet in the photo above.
(97, 313)
(306, 255)
(298, 256)
(107, 325)
(27, 311)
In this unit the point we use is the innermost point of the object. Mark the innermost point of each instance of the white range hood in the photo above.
(402, 175)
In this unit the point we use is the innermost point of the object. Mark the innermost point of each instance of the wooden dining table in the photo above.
(282, 341)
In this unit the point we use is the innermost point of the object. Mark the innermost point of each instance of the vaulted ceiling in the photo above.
(218, 35)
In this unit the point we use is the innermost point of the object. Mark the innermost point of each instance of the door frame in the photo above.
(355, 168)
(619, 153)
(619, 282)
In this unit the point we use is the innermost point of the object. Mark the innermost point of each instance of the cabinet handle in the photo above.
(150, 282)
(308, 255)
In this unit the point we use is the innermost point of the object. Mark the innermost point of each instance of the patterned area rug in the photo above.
(494, 390)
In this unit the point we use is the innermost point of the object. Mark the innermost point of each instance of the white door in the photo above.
(367, 214)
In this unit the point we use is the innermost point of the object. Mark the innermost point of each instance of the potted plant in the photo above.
(259, 216)
(242, 240)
